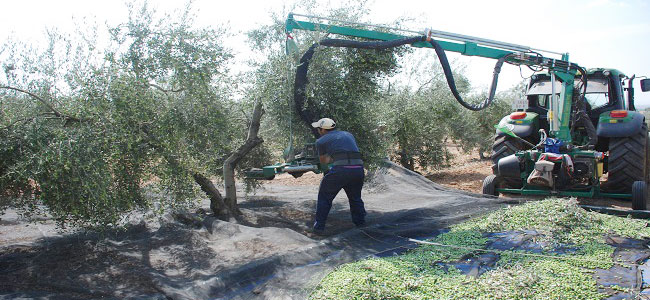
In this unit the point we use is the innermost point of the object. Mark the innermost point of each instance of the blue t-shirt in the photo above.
(336, 141)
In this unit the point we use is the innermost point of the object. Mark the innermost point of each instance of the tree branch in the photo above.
(24, 120)
(46, 103)
(423, 85)
(217, 205)
(166, 90)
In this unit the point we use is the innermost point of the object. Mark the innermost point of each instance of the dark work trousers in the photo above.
(348, 178)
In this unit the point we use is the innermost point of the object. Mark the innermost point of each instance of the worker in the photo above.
(339, 148)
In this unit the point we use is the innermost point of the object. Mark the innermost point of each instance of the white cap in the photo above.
(325, 123)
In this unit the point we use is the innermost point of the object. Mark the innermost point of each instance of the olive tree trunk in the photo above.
(226, 208)
(217, 204)
(231, 162)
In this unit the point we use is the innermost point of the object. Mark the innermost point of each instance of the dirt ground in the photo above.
(466, 171)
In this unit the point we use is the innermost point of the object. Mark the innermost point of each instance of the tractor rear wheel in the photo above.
(502, 147)
(628, 161)
(505, 146)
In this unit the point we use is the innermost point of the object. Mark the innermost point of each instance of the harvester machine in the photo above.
(577, 132)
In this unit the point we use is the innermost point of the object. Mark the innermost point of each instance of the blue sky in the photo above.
(596, 33)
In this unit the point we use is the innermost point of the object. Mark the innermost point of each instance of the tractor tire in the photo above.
(628, 161)
(490, 185)
(639, 195)
(504, 146)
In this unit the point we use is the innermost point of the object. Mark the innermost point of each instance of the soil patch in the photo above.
(466, 171)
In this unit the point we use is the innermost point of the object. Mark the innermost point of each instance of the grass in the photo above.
(423, 273)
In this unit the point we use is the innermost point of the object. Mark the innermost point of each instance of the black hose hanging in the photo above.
(299, 85)
(301, 80)
(452, 83)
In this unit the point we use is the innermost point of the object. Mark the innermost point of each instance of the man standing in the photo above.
(339, 148)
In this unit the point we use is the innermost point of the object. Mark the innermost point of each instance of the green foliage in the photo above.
(422, 117)
(417, 127)
(419, 274)
(421, 113)
(347, 92)
(474, 130)
(144, 115)
(560, 220)
(344, 84)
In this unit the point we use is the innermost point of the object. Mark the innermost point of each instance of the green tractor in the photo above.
(602, 151)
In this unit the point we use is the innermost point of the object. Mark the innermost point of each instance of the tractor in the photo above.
(602, 151)
(577, 132)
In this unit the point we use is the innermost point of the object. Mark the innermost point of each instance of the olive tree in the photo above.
(474, 130)
(91, 134)
(344, 84)
(422, 115)
(419, 112)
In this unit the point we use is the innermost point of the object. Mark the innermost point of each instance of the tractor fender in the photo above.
(619, 127)
(522, 128)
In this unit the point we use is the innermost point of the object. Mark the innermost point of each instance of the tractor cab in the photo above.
(604, 93)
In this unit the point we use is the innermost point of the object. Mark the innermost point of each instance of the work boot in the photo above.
(317, 231)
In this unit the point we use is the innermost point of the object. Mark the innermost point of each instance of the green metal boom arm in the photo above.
(467, 47)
